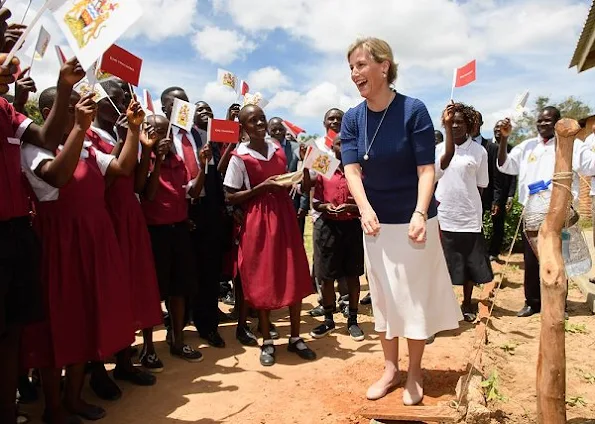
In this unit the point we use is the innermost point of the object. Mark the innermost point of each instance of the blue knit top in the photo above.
(404, 141)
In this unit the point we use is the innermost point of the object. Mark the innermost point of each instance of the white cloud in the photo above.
(222, 46)
(268, 79)
(164, 18)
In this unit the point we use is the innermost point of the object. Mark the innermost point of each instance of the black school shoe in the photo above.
(104, 387)
(323, 329)
(527, 311)
(318, 311)
(214, 339)
(366, 300)
(267, 355)
(187, 353)
(301, 349)
(229, 299)
(135, 376)
(469, 312)
(246, 337)
(151, 362)
(355, 331)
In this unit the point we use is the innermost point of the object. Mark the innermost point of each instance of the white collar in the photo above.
(243, 149)
(105, 136)
(466, 145)
(540, 139)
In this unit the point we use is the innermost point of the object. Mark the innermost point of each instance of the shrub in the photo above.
(510, 226)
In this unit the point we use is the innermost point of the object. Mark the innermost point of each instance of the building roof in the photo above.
(584, 55)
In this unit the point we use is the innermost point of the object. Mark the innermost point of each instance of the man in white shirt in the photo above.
(590, 144)
(533, 160)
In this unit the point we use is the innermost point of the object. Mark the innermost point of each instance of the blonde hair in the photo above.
(380, 52)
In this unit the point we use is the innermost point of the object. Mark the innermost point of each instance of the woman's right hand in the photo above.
(85, 111)
(270, 184)
(448, 115)
(369, 221)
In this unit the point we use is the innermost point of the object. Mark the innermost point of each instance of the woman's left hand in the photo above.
(417, 228)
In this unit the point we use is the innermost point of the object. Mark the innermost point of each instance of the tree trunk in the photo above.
(551, 363)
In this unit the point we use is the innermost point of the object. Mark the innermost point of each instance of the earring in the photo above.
(384, 74)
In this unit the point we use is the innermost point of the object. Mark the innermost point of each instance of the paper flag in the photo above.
(83, 87)
(244, 88)
(320, 162)
(329, 138)
(148, 100)
(43, 42)
(92, 26)
(61, 57)
(223, 131)
(227, 79)
(122, 64)
(293, 129)
(465, 74)
(182, 114)
(255, 99)
(520, 102)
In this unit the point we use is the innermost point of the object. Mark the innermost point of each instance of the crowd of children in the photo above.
(109, 212)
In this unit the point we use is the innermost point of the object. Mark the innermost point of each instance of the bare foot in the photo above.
(414, 389)
(388, 381)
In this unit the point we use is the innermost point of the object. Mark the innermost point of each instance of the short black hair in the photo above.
(275, 117)
(46, 98)
(554, 111)
(468, 112)
(332, 110)
(169, 90)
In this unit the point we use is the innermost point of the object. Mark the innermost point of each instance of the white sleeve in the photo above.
(483, 176)
(103, 160)
(513, 161)
(31, 158)
(236, 176)
(583, 158)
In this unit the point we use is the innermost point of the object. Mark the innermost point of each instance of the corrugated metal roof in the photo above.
(585, 40)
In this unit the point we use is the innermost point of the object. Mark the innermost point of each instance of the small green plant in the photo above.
(575, 328)
(491, 388)
(509, 347)
(589, 377)
(573, 401)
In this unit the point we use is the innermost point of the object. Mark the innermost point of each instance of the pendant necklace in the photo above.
(368, 147)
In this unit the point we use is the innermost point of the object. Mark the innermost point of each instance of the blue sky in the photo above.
(293, 51)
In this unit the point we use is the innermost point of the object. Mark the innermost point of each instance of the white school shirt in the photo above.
(32, 156)
(533, 160)
(590, 144)
(236, 176)
(177, 139)
(460, 208)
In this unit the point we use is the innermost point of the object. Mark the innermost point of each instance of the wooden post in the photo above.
(551, 363)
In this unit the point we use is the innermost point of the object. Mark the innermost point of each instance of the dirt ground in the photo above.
(230, 386)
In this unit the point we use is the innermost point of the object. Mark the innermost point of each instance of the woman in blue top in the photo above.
(388, 152)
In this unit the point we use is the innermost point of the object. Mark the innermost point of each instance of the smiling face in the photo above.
(459, 128)
(254, 123)
(333, 119)
(546, 121)
(366, 73)
(498, 130)
(277, 130)
(203, 113)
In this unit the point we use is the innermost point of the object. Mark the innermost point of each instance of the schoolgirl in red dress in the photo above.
(133, 237)
(271, 257)
(88, 309)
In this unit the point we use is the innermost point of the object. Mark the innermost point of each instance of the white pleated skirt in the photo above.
(412, 295)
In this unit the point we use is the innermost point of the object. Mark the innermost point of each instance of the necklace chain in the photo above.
(366, 146)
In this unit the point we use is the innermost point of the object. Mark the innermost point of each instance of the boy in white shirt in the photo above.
(462, 169)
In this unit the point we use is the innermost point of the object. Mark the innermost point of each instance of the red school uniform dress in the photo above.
(272, 261)
(20, 291)
(133, 237)
(88, 312)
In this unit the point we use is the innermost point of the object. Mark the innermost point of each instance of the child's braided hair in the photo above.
(469, 115)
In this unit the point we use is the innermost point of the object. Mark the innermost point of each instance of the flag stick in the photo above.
(454, 79)
(131, 90)
(26, 11)
(110, 100)
(25, 34)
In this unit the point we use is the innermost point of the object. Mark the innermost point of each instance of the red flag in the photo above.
(329, 139)
(465, 74)
(61, 58)
(122, 64)
(293, 129)
(148, 101)
(244, 88)
(222, 131)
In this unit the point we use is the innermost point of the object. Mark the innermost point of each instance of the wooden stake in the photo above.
(551, 363)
